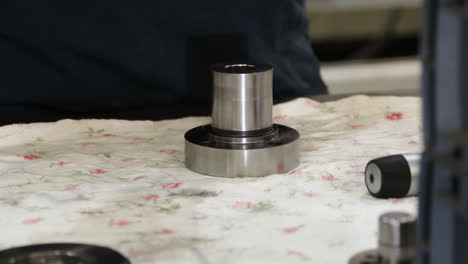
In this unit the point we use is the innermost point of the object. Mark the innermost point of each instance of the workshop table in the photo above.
(123, 184)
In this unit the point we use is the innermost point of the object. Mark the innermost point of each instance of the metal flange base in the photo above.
(210, 154)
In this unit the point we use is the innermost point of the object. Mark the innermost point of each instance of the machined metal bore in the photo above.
(242, 140)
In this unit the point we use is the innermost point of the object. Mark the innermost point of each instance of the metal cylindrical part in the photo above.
(397, 237)
(242, 97)
(393, 176)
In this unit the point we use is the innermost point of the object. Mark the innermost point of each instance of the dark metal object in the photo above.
(242, 140)
(61, 254)
(393, 176)
(397, 241)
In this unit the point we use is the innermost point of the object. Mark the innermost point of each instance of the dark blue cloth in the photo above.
(95, 56)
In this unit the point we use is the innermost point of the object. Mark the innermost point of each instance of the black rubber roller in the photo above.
(393, 176)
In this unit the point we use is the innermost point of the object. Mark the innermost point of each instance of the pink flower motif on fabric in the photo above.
(98, 171)
(127, 159)
(165, 232)
(173, 185)
(71, 188)
(324, 139)
(329, 178)
(311, 195)
(138, 178)
(86, 144)
(293, 172)
(109, 135)
(412, 142)
(167, 151)
(268, 190)
(313, 103)
(123, 223)
(32, 221)
(61, 164)
(139, 138)
(394, 116)
(396, 201)
(31, 157)
(87, 213)
(355, 166)
(280, 117)
(151, 197)
(291, 230)
(356, 143)
(294, 253)
(242, 205)
(352, 126)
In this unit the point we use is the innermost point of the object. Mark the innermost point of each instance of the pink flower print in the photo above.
(396, 201)
(86, 213)
(138, 178)
(109, 135)
(61, 163)
(280, 117)
(165, 232)
(173, 185)
(86, 144)
(355, 166)
(71, 188)
(31, 221)
(313, 103)
(291, 230)
(293, 172)
(294, 253)
(394, 116)
(167, 151)
(31, 157)
(123, 223)
(268, 190)
(412, 142)
(151, 197)
(311, 195)
(280, 167)
(324, 139)
(356, 143)
(134, 252)
(127, 159)
(197, 218)
(329, 178)
(139, 138)
(98, 171)
(208, 193)
(242, 205)
(352, 126)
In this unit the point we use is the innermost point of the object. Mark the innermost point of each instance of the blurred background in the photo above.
(367, 46)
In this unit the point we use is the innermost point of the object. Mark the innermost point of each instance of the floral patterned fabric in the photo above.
(123, 184)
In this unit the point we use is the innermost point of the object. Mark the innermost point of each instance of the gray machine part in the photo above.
(397, 241)
(242, 140)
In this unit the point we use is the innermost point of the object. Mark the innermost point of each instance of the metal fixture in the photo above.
(397, 241)
(242, 140)
(393, 176)
(61, 253)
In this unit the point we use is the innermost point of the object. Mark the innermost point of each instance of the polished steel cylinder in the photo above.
(242, 97)
(397, 237)
(242, 140)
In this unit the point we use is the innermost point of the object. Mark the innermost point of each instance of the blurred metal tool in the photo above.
(393, 176)
(397, 241)
(242, 140)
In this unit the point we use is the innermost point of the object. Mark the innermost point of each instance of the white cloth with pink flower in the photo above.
(123, 184)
